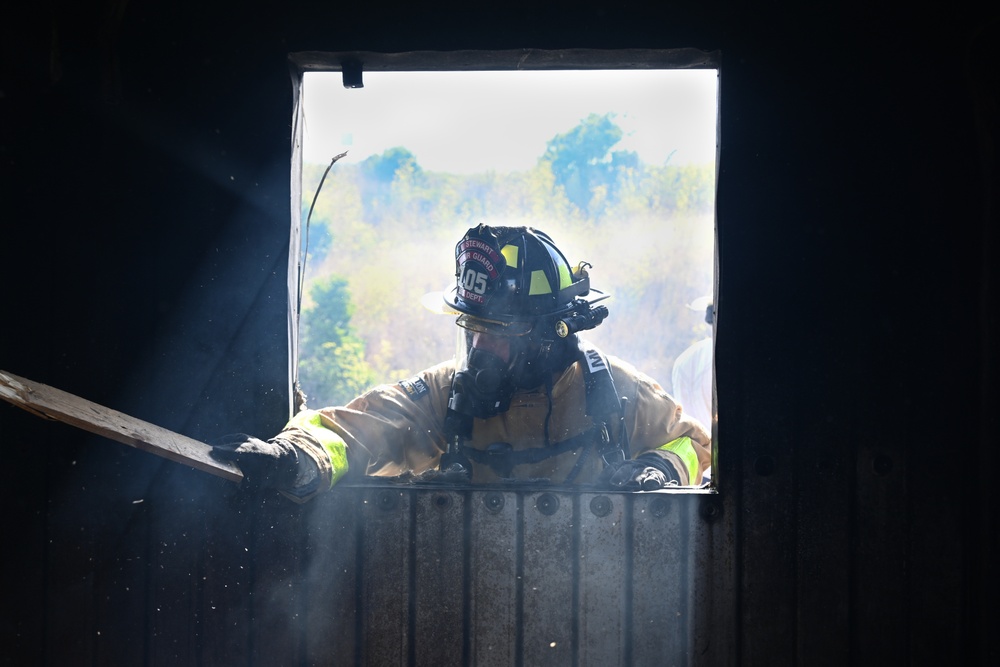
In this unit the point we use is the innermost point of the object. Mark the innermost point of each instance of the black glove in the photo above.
(646, 472)
(274, 463)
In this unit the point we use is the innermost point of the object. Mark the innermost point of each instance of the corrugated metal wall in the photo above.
(202, 572)
(509, 577)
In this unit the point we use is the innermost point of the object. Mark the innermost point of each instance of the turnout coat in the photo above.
(546, 434)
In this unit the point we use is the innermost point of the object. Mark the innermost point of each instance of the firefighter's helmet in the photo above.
(514, 279)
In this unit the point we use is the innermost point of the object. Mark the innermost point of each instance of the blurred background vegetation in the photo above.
(383, 231)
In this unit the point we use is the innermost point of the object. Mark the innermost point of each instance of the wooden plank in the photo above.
(61, 406)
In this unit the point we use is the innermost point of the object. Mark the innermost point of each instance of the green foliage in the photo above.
(384, 168)
(583, 164)
(332, 358)
(388, 181)
(388, 227)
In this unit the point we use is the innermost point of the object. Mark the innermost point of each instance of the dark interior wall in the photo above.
(145, 153)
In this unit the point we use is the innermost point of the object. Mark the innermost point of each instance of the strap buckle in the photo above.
(611, 454)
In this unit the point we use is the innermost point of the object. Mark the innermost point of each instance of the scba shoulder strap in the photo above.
(603, 403)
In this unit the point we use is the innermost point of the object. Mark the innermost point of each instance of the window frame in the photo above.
(353, 65)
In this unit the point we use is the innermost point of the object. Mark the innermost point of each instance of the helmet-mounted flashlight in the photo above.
(575, 322)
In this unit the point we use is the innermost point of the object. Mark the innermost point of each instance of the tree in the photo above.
(332, 366)
(582, 162)
(380, 172)
(382, 168)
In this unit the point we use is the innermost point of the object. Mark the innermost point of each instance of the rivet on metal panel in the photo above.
(600, 505)
(710, 509)
(387, 500)
(494, 501)
(882, 465)
(659, 507)
(442, 500)
(547, 504)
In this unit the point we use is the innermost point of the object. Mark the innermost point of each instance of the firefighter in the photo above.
(526, 398)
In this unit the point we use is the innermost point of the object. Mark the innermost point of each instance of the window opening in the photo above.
(618, 166)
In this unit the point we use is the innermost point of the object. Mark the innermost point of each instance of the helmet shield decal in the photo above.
(479, 265)
(513, 275)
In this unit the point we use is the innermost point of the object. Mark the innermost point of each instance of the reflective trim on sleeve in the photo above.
(311, 421)
(684, 448)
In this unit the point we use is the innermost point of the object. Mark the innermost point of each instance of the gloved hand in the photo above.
(273, 463)
(646, 472)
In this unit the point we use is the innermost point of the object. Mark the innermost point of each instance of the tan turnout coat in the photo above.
(395, 429)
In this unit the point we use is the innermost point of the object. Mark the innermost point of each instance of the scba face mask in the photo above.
(491, 367)
(483, 383)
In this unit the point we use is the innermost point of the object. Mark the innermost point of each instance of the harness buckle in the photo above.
(611, 454)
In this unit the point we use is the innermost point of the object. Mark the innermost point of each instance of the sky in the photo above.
(473, 122)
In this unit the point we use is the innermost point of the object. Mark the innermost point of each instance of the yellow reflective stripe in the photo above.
(311, 421)
(509, 253)
(684, 448)
(539, 283)
(565, 278)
